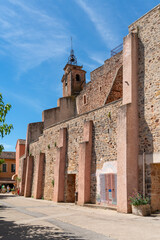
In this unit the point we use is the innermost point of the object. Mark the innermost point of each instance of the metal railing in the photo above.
(117, 49)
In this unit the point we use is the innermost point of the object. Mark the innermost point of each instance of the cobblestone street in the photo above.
(27, 218)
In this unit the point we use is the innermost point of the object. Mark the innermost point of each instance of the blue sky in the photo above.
(35, 45)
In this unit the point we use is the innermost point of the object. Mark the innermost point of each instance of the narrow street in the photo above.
(27, 218)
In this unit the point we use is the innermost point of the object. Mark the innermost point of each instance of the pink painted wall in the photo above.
(127, 139)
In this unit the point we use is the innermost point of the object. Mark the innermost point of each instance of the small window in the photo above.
(13, 166)
(100, 88)
(4, 167)
(78, 79)
(84, 99)
(66, 81)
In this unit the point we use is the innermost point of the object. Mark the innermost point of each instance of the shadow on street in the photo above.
(5, 196)
(10, 231)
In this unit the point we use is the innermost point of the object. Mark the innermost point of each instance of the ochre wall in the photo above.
(8, 174)
(20, 150)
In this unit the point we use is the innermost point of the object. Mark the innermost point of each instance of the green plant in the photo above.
(109, 115)
(1, 162)
(55, 144)
(4, 127)
(137, 199)
(42, 198)
(18, 179)
(53, 183)
(49, 146)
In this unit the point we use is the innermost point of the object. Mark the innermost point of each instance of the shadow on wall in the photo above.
(43, 180)
(9, 230)
(145, 135)
(93, 169)
(66, 167)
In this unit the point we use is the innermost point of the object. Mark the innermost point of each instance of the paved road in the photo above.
(27, 218)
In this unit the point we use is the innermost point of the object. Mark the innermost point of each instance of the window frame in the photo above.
(2, 168)
(13, 164)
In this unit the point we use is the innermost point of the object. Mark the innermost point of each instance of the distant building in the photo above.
(20, 151)
(7, 169)
(102, 141)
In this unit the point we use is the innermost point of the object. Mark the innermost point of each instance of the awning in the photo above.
(14, 177)
(7, 181)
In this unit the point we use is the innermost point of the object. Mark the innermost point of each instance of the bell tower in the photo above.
(74, 78)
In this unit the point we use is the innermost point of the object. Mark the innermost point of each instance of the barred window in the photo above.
(13, 166)
(4, 167)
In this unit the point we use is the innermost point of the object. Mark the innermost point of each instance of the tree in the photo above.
(4, 127)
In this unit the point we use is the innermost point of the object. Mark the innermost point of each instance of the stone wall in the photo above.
(147, 28)
(99, 87)
(148, 80)
(104, 146)
(155, 186)
(65, 110)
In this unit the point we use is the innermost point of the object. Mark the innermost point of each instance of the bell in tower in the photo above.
(74, 78)
(72, 59)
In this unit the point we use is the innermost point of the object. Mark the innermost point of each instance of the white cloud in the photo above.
(33, 103)
(97, 59)
(8, 147)
(29, 35)
(102, 24)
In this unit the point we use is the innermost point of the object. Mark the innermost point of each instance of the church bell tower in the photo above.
(74, 78)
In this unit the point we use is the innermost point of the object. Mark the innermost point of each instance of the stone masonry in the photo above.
(102, 141)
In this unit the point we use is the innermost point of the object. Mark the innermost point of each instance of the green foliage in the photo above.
(18, 179)
(53, 183)
(2, 161)
(49, 146)
(4, 127)
(109, 115)
(55, 144)
(138, 199)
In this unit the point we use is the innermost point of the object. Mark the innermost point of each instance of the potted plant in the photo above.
(140, 205)
(13, 191)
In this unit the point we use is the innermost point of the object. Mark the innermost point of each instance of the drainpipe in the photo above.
(144, 170)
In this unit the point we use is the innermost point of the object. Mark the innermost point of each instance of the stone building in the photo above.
(103, 139)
